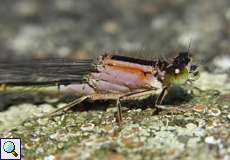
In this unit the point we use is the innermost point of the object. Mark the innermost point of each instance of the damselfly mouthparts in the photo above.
(111, 77)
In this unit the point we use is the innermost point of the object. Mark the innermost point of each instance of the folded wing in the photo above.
(49, 71)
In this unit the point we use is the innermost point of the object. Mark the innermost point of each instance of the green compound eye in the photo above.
(177, 77)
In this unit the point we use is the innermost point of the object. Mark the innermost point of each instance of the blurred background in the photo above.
(199, 129)
(87, 28)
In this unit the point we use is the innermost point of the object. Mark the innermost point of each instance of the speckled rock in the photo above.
(192, 125)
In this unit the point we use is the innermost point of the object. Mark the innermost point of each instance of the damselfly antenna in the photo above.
(189, 47)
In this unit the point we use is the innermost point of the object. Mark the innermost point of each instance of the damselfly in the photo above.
(111, 77)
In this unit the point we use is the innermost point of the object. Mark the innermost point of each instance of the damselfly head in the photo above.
(179, 71)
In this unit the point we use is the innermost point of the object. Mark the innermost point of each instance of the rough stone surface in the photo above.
(195, 123)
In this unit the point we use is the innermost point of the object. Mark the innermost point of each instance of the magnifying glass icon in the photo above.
(9, 147)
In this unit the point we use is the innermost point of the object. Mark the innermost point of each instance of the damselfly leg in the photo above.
(119, 112)
(68, 106)
(118, 97)
(160, 99)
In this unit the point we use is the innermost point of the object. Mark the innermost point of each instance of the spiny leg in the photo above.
(66, 107)
(165, 92)
(131, 96)
(113, 96)
(119, 112)
(160, 99)
(81, 99)
(118, 97)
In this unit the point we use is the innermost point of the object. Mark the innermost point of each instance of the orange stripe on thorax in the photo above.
(129, 65)
(137, 72)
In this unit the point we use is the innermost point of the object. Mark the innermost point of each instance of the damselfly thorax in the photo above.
(118, 74)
